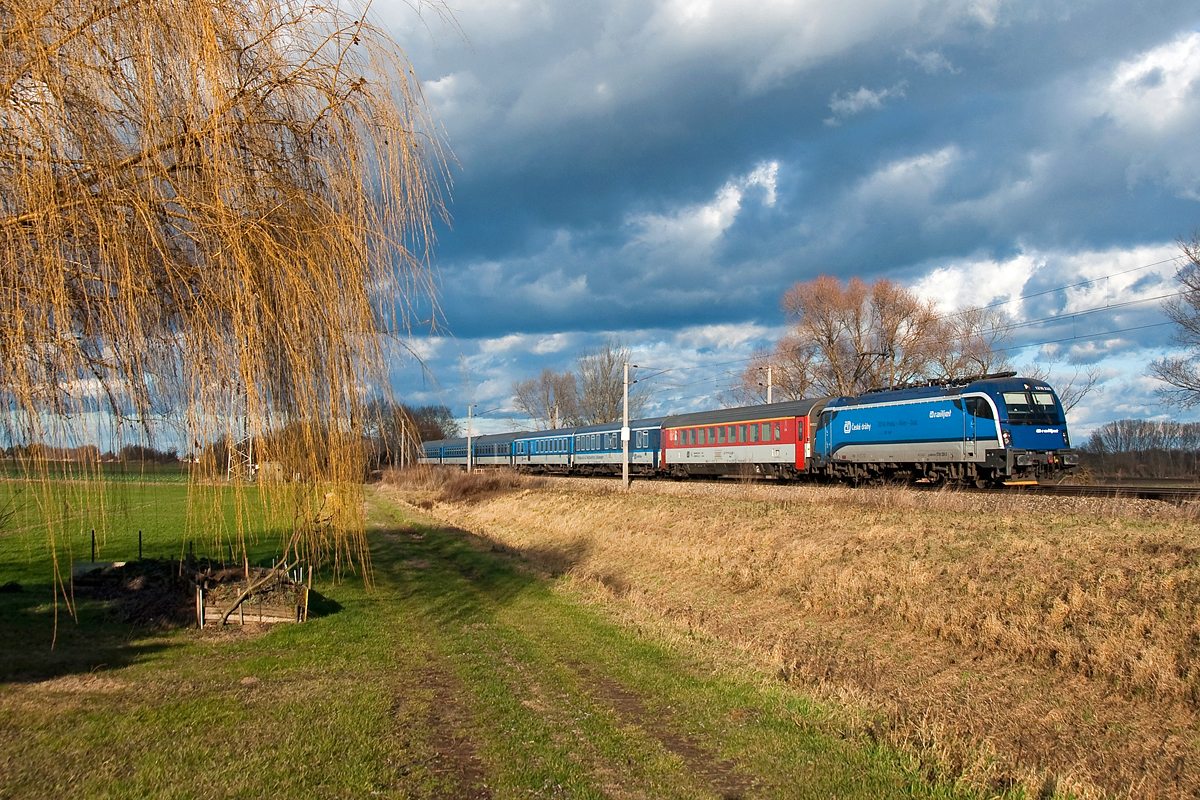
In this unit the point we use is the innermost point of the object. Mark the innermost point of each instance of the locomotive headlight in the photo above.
(1007, 437)
(1066, 439)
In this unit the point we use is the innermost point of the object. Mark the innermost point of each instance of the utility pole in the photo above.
(769, 384)
(469, 406)
(625, 431)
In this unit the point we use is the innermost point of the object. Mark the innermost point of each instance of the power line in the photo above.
(1173, 259)
(1086, 336)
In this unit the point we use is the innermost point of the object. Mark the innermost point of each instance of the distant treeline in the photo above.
(90, 453)
(1141, 448)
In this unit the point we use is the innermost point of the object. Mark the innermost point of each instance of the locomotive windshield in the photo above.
(1032, 408)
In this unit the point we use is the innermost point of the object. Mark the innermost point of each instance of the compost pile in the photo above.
(152, 593)
(223, 585)
(161, 594)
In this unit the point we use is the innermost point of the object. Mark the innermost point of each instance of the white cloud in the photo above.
(556, 286)
(696, 227)
(555, 343)
(1157, 89)
(909, 179)
(851, 103)
(1094, 279)
(1151, 107)
(932, 62)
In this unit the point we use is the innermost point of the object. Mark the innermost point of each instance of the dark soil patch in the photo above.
(455, 759)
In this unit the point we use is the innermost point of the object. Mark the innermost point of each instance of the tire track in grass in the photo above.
(721, 774)
(455, 757)
(498, 701)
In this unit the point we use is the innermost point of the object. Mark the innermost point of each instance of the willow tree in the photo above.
(212, 207)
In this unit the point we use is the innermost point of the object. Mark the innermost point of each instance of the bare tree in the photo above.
(789, 368)
(207, 206)
(1144, 448)
(1182, 373)
(396, 430)
(863, 336)
(601, 372)
(853, 337)
(551, 400)
(1071, 387)
(832, 320)
(970, 342)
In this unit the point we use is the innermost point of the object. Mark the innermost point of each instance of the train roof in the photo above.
(486, 438)
(654, 422)
(790, 408)
(993, 384)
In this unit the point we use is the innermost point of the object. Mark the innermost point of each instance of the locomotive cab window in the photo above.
(1037, 408)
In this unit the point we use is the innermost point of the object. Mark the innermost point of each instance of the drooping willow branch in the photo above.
(210, 206)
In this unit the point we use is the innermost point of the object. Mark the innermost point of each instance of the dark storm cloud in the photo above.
(608, 153)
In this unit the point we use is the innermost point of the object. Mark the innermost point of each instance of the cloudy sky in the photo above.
(663, 170)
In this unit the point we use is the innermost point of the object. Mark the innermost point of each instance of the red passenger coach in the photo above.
(770, 439)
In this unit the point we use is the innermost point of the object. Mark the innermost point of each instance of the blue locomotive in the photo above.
(999, 429)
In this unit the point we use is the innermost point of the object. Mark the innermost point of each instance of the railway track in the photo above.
(1165, 492)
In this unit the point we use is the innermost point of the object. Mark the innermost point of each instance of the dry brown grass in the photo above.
(1052, 641)
(453, 486)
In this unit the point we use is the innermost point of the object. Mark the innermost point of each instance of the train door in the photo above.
(823, 441)
(982, 425)
(967, 406)
(803, 442)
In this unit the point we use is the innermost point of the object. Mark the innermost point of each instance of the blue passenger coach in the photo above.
(1000, 430)
(543, 451)
(599, 450)
(489, 450)
(590, 450)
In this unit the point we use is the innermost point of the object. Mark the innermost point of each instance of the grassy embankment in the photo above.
(1006, 639)
(463, 673)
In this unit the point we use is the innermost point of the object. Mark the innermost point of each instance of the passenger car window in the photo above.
(721, 435)
(754, 433)
(741, 433)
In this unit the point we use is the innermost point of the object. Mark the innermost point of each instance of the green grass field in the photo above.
(177, 472)
(171, 520)
(463, 673)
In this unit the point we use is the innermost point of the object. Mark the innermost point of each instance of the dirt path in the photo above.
(515, 689)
